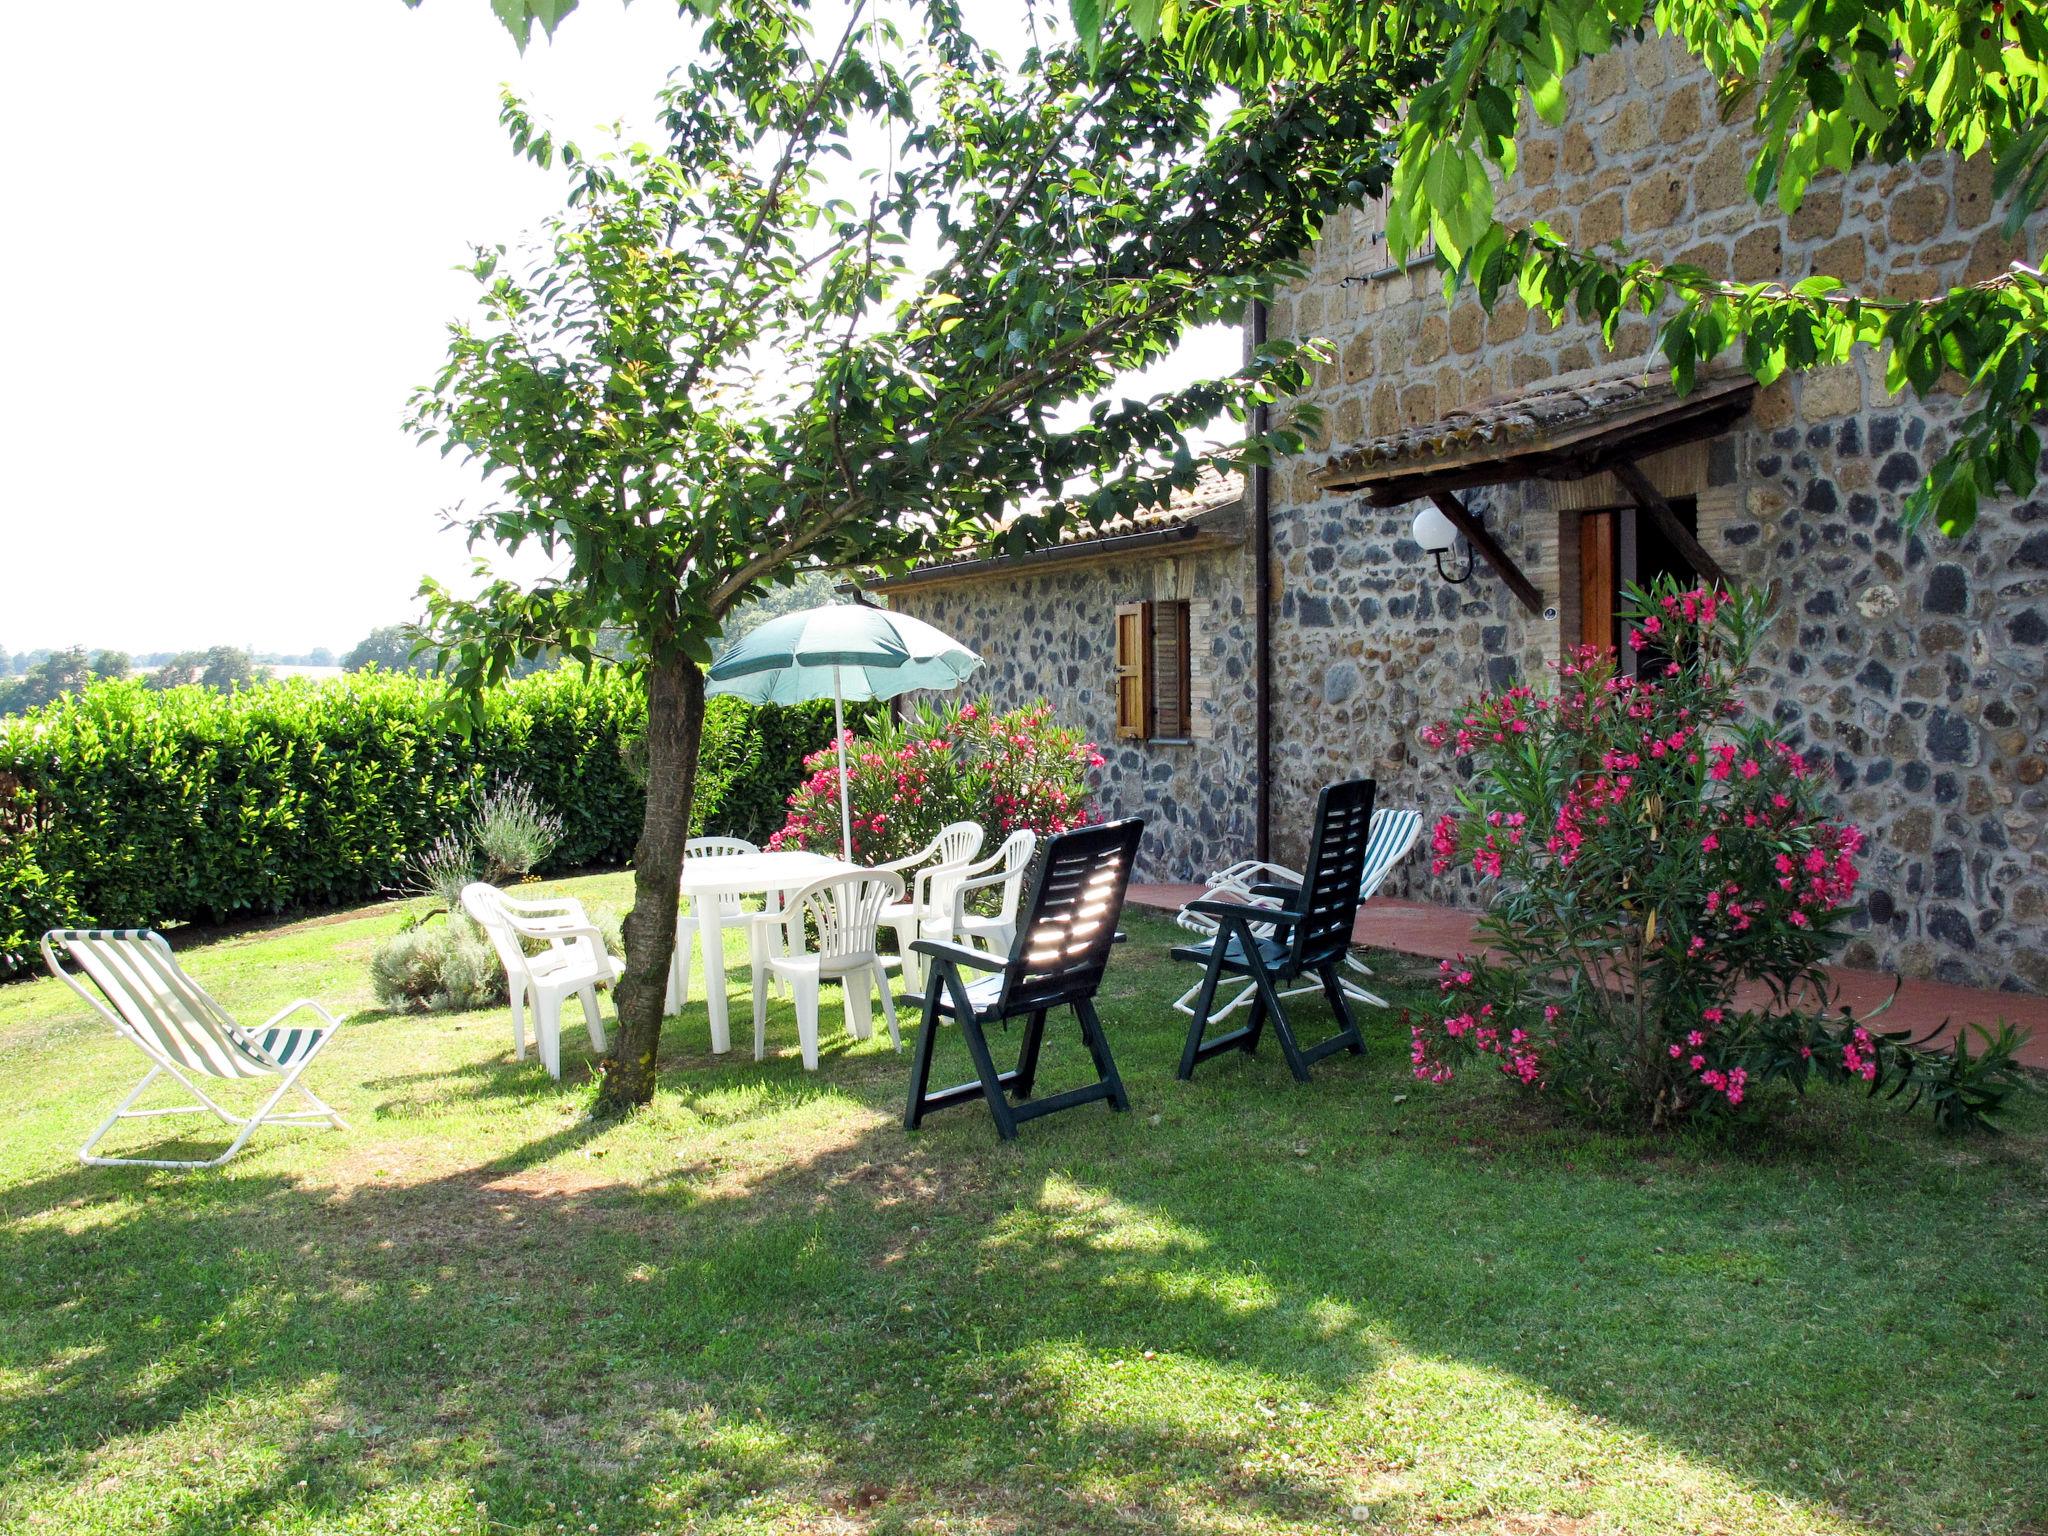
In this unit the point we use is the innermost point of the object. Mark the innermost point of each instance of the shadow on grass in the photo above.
(1180, 1318)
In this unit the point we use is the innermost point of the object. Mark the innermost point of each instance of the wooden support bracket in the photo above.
(1648, 499)
(1489, 551)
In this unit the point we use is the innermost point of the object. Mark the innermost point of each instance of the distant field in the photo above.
(285, 670)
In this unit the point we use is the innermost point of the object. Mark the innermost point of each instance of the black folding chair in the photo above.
(1308, 933)
(1073, 896)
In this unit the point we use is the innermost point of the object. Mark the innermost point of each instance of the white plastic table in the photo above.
(769, 875)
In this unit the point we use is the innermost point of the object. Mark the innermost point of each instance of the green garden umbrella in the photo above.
(848, 651)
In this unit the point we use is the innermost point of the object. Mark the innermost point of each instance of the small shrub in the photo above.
(954, 763)
(1650, 851)
(513, 830)
(443, 969)
(472, 975)
(405, 970)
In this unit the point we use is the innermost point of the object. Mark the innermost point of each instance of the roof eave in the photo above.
(1574, 451)
(1212, 528)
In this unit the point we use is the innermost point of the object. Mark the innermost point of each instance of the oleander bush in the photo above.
(1664, 879)
(957, 762)
(125, 807)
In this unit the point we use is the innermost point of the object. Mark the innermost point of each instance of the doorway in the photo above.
(1619, 546)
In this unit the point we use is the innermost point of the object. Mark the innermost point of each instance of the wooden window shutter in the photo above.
(1170, 708)
(1133, 655)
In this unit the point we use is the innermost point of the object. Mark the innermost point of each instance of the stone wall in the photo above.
(1911, 665)
(1051, 634)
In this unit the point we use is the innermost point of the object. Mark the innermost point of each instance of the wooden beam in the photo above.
(1650, 500)
(1477, 536)
(1392, 488)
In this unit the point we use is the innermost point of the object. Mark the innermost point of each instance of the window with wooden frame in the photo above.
(1153, 680)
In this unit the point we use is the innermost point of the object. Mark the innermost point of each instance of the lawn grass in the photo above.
(1247, 1306)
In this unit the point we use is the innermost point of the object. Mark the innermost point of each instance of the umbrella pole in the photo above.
(839, 736)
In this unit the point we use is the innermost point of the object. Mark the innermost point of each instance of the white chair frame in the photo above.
(937, 867)
(575, 961)
(732, 913)
(1393, 835)
(1006, 868)
(846, 911)
(174, 1022)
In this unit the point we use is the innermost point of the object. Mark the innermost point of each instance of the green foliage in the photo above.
(125, 807)
(56, 674)
(33, 899)
(390, 646)
(222, 668)
(1825, 87)
(611, 389)
(402, 648)
(518, 16)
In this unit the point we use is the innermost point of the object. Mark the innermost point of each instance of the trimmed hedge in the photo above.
(122, 807)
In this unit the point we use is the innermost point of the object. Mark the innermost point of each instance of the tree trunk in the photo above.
(675, 724)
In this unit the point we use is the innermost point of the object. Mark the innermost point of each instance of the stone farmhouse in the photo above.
(1236, 649)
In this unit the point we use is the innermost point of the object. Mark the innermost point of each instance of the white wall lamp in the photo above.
(1438, 536)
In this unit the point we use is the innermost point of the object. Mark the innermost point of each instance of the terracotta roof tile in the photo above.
(1208, 500)
(1212, 489)
(1562, 409)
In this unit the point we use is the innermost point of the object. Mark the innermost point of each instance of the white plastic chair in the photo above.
(1006, 868)
(574, 962)
(938, 868)
(1393, 834)
(845, 912)
(732, 913)
(169, 1017)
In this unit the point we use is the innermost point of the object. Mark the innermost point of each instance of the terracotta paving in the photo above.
(1438, 933)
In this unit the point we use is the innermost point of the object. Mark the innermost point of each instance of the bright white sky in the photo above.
(229, 233)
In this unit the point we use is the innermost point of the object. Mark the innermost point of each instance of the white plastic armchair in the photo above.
(1393, 834)
(933, 872)
(172, 1020)
(843, 912)
(1004, 869)
(574, 962)
(732, 913)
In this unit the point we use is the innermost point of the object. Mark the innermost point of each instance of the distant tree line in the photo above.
(37, 677)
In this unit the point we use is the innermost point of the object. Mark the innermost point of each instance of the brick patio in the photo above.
(1438, 933)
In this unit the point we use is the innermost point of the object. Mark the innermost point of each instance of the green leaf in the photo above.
(1087, 18)
(517, 20)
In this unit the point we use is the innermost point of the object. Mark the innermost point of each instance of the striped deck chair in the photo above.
(167, 1016)
(1393, 835)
